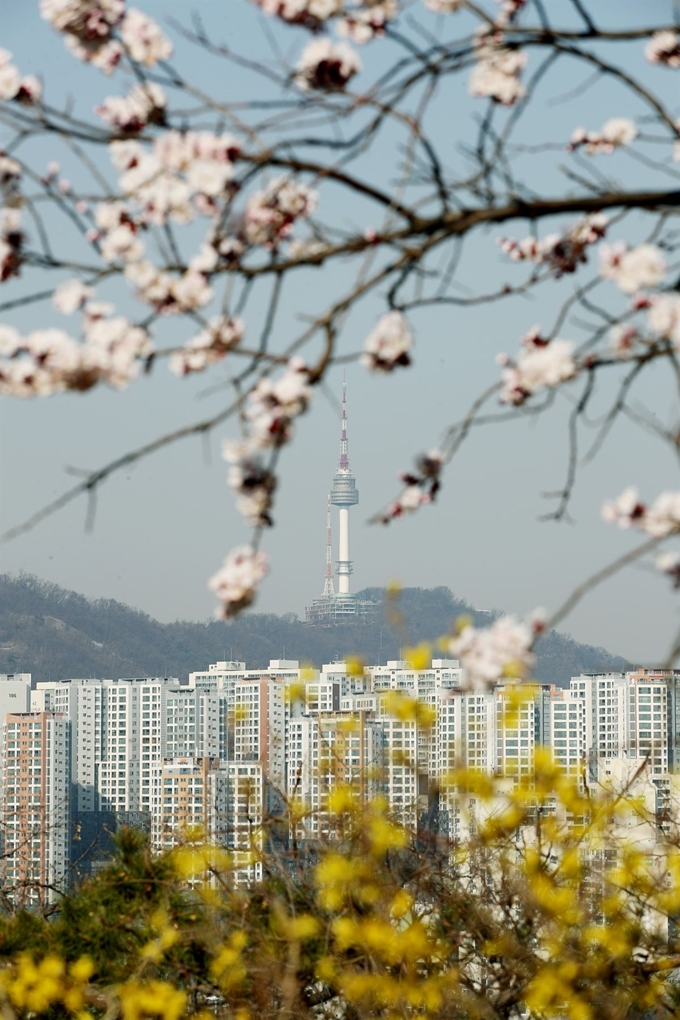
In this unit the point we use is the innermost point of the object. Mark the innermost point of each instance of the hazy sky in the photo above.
(163, 528)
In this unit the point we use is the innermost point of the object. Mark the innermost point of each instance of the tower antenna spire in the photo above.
(328, 587)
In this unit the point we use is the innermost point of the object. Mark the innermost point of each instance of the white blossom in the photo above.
(195, 165)
(632, 269)
(71, 295)
(663, 516)
(669, 563)
(209, 346)
(236, 583)
(10, 79)
(10, 341)
(49, 361)
(623, 339)
(87, 27)
(625, 509)
(539, 365)
(664, 48)
(444, 6)
(497, 69)
(271, 214)
(144, 104)
(11, 242)
(12, 86)
(326, 65)
(273, 406)
(615, 133)
(254, 483)
(143, 39)
(659, 520)
(561, 253)
(389, 344)
(83, 17)
(192, 291)
(663, 317)
(10, 171)
(503, 649)
(365, 24)
(509, 10)
(209, 177)
(311, 13)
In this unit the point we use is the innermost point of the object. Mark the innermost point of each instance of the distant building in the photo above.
(36, 809)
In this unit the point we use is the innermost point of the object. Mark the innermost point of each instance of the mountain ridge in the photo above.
(54, 633)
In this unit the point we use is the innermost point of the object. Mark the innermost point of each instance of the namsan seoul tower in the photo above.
(344, 494)
(341, 607)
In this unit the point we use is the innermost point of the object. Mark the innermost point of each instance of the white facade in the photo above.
(605, 696)
(568, 731)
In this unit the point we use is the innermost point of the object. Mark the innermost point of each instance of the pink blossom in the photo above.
(502, 650)
(145, 104)
(498, 68)
(616, 132)
(388, 345)
(326, 65)
(236, 583)
(209, 346)
(143, 39)
(632, 269)
(71, 295)
(539, 365)
(664, 48)
(561, 253)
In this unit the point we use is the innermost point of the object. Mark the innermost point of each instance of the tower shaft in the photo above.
(328, 589)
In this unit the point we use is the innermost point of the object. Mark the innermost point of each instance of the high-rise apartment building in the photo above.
(605, 696)
(36, 783)
(567, 736)
(648, 718)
